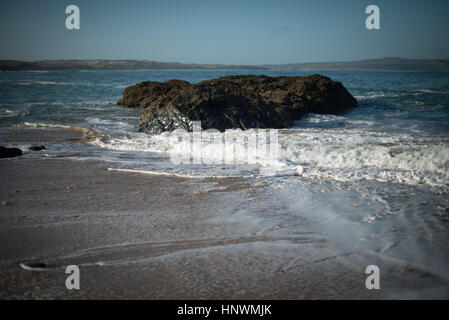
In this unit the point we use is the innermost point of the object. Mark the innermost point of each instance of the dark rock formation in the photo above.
(10, 152)
(235, 102)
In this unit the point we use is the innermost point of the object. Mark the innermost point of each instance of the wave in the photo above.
(432, 91)
(27, 83)
(7, 114)
(88, 134)
(65, 83)
(343, 155)
(395, 93)
(43, 125)
(89, 103)
(180, 175)
(349, 155)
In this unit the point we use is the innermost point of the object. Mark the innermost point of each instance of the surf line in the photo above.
(169, 174)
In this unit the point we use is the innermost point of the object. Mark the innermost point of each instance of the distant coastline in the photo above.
(100, 64)
(391, 63)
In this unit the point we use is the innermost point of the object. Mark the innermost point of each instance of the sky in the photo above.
(224, 31)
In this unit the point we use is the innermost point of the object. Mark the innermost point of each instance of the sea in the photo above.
(374, 180)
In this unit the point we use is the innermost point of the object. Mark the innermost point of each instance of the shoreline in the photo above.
(138, 236)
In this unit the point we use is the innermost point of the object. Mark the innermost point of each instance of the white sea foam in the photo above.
(394, 94)
(370, 96)
(7, 113)
(343, 154)
(179, 175)
(432, 91)
(43, 125)
(356, 155)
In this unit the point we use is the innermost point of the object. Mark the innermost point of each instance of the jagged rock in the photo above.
(10, 152)
(235, 102)
(150, 91)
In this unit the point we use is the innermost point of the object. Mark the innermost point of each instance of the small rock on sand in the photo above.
(9, 152)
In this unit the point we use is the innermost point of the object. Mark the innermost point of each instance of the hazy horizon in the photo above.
(234, 32)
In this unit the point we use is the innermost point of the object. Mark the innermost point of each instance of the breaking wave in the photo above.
(339, 154)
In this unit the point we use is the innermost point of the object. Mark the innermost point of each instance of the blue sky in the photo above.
(225, 31)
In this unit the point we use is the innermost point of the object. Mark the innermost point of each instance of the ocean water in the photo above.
(398, 133)
(374, 180)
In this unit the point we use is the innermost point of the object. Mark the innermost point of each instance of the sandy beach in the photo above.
(141, 236)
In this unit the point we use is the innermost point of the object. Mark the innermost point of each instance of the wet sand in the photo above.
(137, 236)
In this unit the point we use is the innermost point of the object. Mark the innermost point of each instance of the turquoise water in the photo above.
(419, 100)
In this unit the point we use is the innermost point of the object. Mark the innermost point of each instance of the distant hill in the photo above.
(16, 65)
(391, 63)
